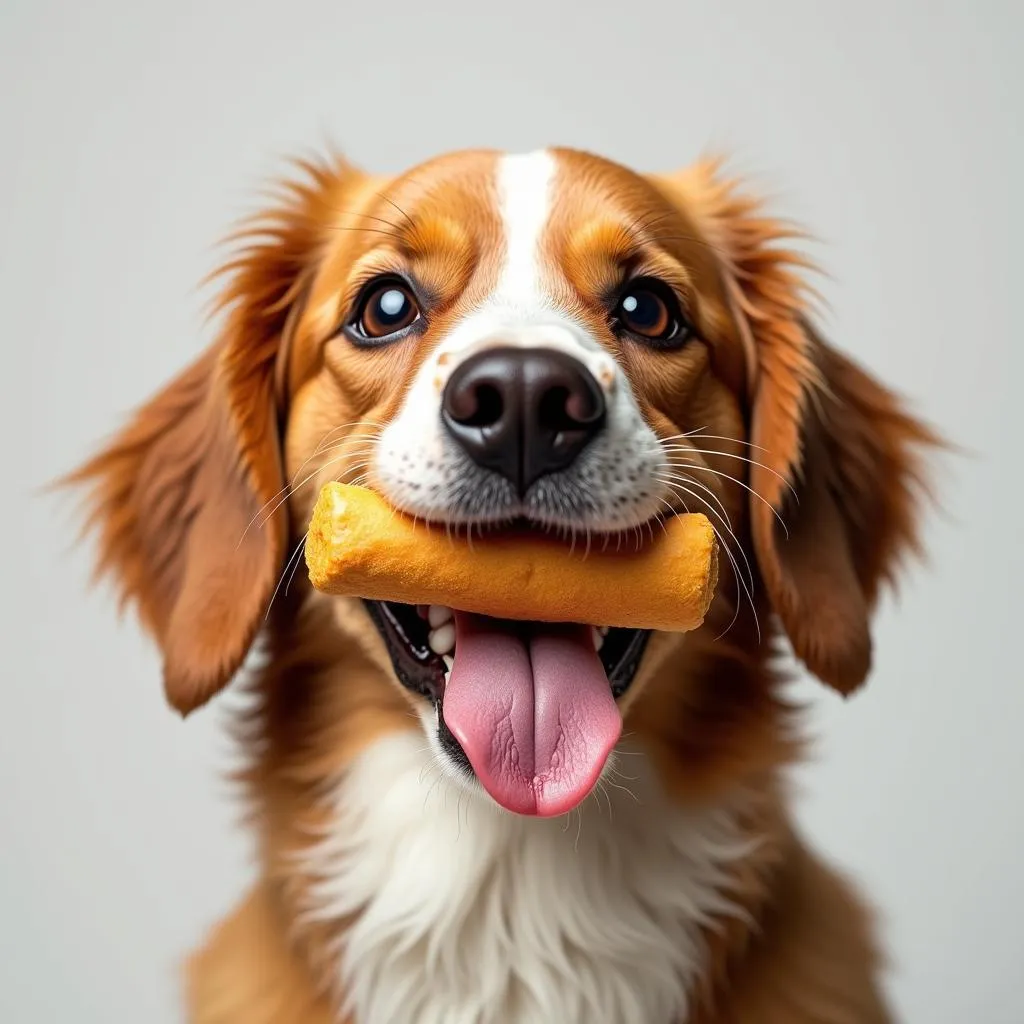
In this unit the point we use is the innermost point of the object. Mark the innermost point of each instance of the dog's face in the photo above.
(549, 339)
(541, 338)
(504, 337)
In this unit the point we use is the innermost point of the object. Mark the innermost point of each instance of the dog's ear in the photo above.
(851, 456)
(838, 459)
(181, 498)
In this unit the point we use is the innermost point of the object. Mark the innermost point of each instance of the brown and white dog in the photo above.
(555, 339)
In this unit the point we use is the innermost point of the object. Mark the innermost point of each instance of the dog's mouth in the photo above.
(529, 708)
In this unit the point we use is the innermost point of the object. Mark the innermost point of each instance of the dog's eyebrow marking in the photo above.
(524, 195)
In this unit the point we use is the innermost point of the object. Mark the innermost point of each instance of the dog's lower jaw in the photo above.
(456, 910)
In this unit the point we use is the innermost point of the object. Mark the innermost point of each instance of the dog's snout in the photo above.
(522, 412)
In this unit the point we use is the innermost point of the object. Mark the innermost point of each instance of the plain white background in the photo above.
(134, 133)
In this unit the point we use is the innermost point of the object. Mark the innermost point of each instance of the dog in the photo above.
(558, 341)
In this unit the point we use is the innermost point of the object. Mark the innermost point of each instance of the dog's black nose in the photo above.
(522, 412)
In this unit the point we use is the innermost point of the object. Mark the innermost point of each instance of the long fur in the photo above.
(389, 893)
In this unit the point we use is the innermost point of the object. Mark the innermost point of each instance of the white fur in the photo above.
(465, 914)
(524, 190)
(419, 467)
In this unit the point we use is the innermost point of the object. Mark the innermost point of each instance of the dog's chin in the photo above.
(614, 661)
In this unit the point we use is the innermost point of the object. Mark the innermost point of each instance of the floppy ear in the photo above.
(841, 459)
(180, 498)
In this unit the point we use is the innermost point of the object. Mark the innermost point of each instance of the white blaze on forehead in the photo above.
(520, 310)
(524, 194)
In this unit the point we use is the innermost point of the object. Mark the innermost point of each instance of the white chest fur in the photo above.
(465, 914)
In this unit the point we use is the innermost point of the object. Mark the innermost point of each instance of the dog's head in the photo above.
(550, 338)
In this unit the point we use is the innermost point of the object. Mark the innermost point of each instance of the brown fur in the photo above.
(195, 521)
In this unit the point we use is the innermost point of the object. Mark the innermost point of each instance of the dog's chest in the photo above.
(464, 914)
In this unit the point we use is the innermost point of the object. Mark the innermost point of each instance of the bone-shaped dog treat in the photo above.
(359, 546)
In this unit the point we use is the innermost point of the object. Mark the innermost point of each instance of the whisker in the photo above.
(673, 512)
(686, 482)
(361, 448)
(294, 490)
(326, 465)
(643, 223)
(298, 562)
(637, 230)
(366, 444)
(686, 449)
(740, 579)
(697, 435)
(728, 476)
(343, 426)
(359, 480)
(292, 558)
(625, 789)
(388, 199)
(364, 437)
(376, 231)
(683, 479)
(366, 216)
(290, 487)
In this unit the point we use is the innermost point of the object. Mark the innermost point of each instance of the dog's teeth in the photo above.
(438, 615)
(442, 639)
(448, 662)
(596, 636)
(603, 630)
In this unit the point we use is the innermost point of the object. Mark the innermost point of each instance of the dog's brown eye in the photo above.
(649, 310)
(386, 308)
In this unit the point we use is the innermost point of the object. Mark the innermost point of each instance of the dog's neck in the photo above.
(456, 910)
(419, 901)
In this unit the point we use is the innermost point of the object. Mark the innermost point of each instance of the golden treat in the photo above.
(359, 546)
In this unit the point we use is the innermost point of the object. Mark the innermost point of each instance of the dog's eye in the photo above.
(650, 311)
(386, 308)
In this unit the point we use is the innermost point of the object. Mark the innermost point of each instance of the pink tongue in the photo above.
(531, 706)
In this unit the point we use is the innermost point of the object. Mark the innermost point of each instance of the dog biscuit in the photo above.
(359, 546)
